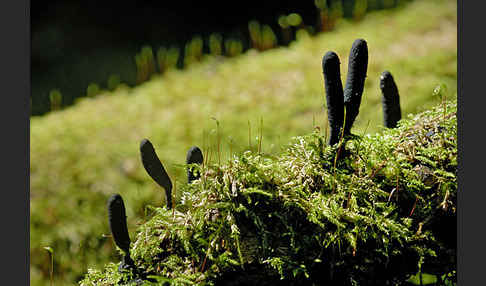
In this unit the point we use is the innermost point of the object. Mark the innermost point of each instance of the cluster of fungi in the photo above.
(342, 109)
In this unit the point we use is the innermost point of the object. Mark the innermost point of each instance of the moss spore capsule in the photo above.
(194, 156)
(334, 94)
(353, 90)
(155, 169)
(392, 112)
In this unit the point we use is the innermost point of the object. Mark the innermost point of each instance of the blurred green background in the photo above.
(76, 45)
(261, 76)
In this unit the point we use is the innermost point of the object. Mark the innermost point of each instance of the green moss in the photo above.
(370, 217)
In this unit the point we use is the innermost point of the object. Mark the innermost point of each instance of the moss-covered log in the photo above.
(379, 215)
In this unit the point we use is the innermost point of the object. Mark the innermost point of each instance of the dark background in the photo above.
(75, 43)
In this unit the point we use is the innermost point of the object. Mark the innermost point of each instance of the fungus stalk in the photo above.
(390, 100)
(155, 169)
(353, 91)
(118, 225)
(334, 95)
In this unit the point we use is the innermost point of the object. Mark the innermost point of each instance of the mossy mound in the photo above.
(381, 211)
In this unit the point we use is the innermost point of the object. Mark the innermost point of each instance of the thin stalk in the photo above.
(338, 152)
(261, 137)
(249, 135)
(51, 257)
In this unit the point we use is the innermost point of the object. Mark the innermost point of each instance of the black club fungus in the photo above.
(155, 169)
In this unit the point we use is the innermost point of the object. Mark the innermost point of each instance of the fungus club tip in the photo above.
(387, 85)
(194, 155)
(330, 59)
(357, 67)
(359, 42)
(145, 144)
(113, 198)
(359, 50)
(118, 222)
(385, 74)
(386, 80)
